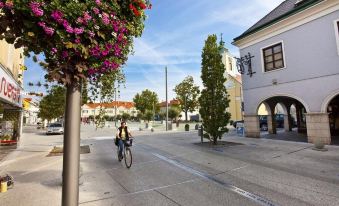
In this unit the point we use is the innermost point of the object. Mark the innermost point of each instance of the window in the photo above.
(336, 27)
(273, 57)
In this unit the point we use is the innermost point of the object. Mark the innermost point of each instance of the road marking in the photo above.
(260, 200)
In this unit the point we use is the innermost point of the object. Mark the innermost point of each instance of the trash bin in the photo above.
(187, 127)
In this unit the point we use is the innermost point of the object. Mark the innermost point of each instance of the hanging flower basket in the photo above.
(79, 39)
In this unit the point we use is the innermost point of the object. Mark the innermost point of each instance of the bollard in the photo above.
(3, 186)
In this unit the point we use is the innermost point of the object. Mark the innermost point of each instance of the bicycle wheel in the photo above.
(128, 157)
(118, 154)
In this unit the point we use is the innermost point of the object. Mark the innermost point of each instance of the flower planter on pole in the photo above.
(80, 41)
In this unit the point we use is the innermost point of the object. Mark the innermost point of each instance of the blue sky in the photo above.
(174, 36)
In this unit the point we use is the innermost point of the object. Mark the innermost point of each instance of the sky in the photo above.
(174, 35)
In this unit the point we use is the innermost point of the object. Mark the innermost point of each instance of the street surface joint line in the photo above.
(167, 197)
(255, 198)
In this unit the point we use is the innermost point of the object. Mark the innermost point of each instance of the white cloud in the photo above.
(244, 13)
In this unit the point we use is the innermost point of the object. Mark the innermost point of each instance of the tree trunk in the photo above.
(186, 116)
(70, 177)
(215, 140)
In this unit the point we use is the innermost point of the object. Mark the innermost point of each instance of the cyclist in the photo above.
(122, 136)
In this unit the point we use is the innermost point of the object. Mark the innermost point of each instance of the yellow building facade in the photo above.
(11, 91)
(233, 85)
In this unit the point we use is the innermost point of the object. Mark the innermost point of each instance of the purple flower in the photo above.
(57, 16)
(109, 46)
(96, 10)
(49, 31)
(9, 4)
(64, 54)
(35, 7)
(54, 50)
(2, 5)
(91, 34)
(87, 17)
(70, 30)
(79, 30)
(78, 41)
(42, 24)
(104, 53)
(80, 20)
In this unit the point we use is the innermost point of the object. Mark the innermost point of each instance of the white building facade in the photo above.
(294, 54)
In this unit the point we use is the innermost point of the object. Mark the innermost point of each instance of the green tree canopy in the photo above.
(214, 98)
(173, 112)
(187, 93)
(126, 116)
(147, 100)
(53, 104)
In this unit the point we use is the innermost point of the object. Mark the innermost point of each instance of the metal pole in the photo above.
(116, 105)
(166, 100)
(70, 178)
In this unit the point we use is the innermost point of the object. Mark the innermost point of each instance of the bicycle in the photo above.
(127, 153)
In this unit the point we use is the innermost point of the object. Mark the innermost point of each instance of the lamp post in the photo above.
(116, 105)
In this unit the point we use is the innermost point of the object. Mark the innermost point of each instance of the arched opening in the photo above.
(333, 111)
(282, 118)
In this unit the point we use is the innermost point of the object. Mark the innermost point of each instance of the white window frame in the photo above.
(336, 31)
(262, 57)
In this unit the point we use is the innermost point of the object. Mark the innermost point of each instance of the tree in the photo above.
(146, 101)
(52, 105)
(187, 93)
(214, 98)
(84, 93)
(173, 112)
(126, 116)
(148, 116)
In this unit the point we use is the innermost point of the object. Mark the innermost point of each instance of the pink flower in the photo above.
(80, 20)
(35, 7)
(91, 34)
(104, 53)
(78, 41)
(79, 30)
(42, 24)
(9, 4)
(96, 10)
(2, 5)
(64, 54)
(87, 17)
(105, 19)
(98, 2)
(69, 29)
(49, 31)
(54, 50)
(57, 16)
(109, 46)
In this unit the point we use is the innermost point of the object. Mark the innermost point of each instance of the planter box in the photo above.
(8, 142)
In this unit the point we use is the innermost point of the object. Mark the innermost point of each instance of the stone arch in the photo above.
(306, 106)
(328, 100)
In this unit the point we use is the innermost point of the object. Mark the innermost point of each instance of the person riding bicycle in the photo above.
(122, 136)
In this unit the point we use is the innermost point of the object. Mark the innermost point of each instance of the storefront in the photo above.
(10, 108)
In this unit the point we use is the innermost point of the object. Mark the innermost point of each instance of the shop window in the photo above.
(273, 57)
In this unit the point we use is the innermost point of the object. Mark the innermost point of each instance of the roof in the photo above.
(284, 10)
(127, 105)
(171, 103)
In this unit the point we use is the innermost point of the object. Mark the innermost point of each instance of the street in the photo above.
(176, 169)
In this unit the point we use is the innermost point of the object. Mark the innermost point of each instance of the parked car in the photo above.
(55, 128)
(279, 119)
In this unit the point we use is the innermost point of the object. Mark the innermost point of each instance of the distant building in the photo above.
(11, 78)
(191, 116)
(31, 110)
(233, 85)
(93, 109)
(294, 53)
